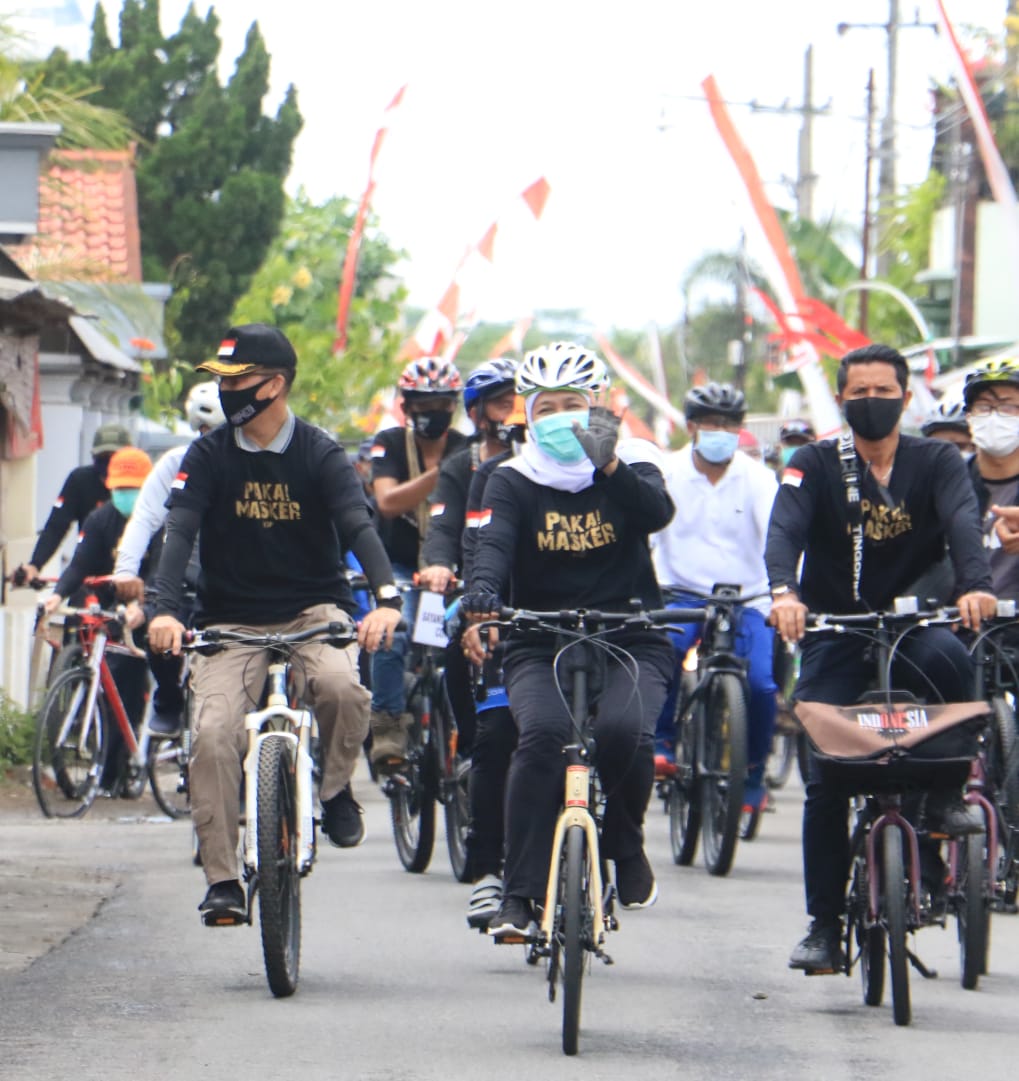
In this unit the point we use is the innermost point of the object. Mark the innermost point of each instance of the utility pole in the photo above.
(806, 177)
(886, 150)
(865, 246)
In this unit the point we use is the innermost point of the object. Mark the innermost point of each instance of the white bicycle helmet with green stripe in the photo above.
(562, 366)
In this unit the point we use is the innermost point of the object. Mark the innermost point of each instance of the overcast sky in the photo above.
(503, 92)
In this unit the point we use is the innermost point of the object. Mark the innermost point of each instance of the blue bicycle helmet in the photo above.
(487, 380)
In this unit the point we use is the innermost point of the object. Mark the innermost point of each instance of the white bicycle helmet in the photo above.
(202, 407)
(562, 366)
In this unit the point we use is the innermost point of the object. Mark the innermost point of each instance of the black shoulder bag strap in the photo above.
(851, 479)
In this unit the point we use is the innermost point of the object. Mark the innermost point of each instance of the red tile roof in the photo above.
(88, 219)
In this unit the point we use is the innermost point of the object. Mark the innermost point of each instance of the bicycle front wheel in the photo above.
(972, 910)
(279, 884)
(412, 804)
(70, 748)
(167, 776)
(894, 902)
(725, 769)
(457, 814)
(683, 798)
(870, 937)
(576, 921)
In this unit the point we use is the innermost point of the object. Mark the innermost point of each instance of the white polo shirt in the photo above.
(719, 530)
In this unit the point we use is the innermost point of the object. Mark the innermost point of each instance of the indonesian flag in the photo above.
(513, 340)
(179, 481)
(995, 168)
(444, 328)
(349, 274)
(786, 279)
(792, 477)
(636, 382)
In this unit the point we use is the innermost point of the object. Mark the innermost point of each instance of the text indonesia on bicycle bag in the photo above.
(887, 746)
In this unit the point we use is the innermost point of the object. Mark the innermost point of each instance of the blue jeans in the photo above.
(755, 640)
(389, 665)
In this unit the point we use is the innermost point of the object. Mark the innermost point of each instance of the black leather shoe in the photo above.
(820, 953)
(343, 820)
(225, 905)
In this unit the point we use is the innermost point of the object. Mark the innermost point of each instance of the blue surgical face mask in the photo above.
(554, 435)
(787, 453)
(124, 500)
(716, 447)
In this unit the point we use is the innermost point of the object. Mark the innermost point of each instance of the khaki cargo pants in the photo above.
(229, 684)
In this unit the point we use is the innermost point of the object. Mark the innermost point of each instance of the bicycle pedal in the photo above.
(822, 971)
(223, 919)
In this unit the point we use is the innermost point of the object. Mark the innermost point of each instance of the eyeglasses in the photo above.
(1003, 409)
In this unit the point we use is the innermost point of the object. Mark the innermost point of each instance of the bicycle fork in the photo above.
(300, 720)
(576, 812)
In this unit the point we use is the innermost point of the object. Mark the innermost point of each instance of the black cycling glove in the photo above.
(480, 604)
(599, 437)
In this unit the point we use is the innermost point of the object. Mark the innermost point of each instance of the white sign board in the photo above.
(429, 626)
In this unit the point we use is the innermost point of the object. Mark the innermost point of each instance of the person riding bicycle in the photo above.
(912, 497)
(486, 730)
(82, 492)
(565, 525)
(272, 499)
(793, 434)
(203, 412)
(948, 421)
(723, 502)
(405, 471)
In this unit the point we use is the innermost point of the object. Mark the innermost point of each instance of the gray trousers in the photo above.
(229, 684)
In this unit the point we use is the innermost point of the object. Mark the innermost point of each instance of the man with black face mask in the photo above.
(405, 471)
(914, 496)
(82, 491)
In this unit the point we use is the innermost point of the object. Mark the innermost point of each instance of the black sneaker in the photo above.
(820, 953)
(343, 820)
(166, 724)
(225, 905)
(635, 882)
(954, 816)
(514, 922)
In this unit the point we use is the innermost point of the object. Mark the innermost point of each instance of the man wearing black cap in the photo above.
(82, 491)
(275, 499)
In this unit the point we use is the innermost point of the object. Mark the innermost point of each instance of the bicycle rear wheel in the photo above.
(870, 938)
(577, 929)
(972, 911)
(412, 803)
(779, 766)
(279, 884)
(70, 746)
(893, 892)
(167, 767)
(683, 797)
(725, 769)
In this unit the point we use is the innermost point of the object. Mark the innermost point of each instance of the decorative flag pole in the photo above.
(349, 274)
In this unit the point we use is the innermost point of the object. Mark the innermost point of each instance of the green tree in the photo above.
(296, 289)
(211, 165)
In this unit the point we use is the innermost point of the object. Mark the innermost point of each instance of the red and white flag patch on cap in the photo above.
(227, 347)
(793, 477)
(179, 481)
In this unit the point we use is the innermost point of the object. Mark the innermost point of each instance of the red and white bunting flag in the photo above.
(636, 382)
(348, 277)
(513, 340)
(994, 166)
(788, 286)
(443, 329)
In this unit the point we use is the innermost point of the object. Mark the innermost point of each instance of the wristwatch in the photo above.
(781, 591)
(388, 595)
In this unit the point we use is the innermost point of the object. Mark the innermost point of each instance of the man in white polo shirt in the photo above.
(723, 502)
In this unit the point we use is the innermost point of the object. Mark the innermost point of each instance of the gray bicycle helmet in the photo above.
(714, 399)
(946, 415)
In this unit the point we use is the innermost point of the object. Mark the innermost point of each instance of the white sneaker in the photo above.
(486, 897)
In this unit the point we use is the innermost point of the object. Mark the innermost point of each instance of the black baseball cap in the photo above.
(251, 347)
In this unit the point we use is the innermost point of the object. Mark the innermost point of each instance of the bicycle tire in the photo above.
(412, 803)
(725, 768)
(893, 896)
(166, 777)
(749, 824)
(683, 796)
(779, 767)
(1001, 766)
(66, 777)
(279, 884)
(870, 938)
(457, 815)
(575, 918)
(972, 910)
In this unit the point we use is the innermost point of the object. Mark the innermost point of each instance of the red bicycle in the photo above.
(75, 725)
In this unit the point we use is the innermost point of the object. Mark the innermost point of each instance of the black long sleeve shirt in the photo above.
(271, 529)
(83, 490)
(96, 551)
(448, 510)
(929, 501)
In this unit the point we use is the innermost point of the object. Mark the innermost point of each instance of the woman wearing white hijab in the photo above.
(565, 525)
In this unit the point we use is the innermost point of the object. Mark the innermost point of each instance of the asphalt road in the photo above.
(395, 988)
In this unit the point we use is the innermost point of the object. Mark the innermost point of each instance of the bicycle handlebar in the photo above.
(335, 632)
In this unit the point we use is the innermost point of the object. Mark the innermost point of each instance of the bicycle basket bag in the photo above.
(894, 746)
